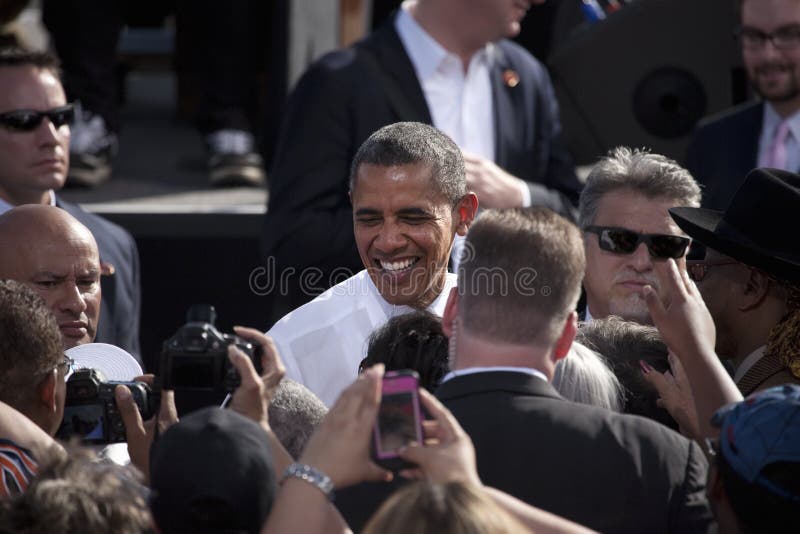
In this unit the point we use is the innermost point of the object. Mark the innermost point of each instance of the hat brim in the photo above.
(701, 225)
(114, 362)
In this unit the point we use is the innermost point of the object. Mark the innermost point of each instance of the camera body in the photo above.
(196, 357)
(90, 410)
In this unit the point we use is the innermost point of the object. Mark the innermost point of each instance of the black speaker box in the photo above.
(645, 75)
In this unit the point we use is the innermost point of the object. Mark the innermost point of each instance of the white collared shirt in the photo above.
(5, 206)
(322, 342)
(473, 370)
(769, 126)
(460, 102)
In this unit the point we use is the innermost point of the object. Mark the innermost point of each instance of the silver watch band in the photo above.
(312, 476)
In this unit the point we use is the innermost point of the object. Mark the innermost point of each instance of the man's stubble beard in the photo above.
(791, 92)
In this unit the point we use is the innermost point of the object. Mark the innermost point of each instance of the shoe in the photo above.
(232, 161)
(91, 148)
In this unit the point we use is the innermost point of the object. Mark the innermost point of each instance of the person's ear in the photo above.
(568, 333)
(46, 391)
(756, 289)
(466, 210)
(450, 313)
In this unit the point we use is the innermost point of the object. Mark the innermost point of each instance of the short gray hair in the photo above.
(406, 143)
(585, 377)
(652, 175)
(294, 413)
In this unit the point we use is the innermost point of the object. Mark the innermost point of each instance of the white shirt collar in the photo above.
(769, 125)
(473, 370)
(392, 310)
(772, 120)
(5, 206)
(748, 363)
(425, 52)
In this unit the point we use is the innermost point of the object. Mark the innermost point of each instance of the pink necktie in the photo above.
(777, 150)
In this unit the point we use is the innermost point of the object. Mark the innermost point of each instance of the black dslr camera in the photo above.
(90, 410)
(196, 357)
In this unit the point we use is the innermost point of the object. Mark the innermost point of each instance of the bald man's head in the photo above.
(48, 250)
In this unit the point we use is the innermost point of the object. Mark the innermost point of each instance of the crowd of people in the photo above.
(619, 355)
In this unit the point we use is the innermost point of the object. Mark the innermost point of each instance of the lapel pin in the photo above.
(510, 78)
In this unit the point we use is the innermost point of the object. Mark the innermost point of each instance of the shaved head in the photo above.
(49, 251)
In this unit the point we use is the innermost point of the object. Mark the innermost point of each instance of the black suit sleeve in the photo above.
(562, 187)
(530, 144)
(309, 201)
(689, 510)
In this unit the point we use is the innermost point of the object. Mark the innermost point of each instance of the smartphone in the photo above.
(399, 418)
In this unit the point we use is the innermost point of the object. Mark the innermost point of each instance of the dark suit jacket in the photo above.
(121, 303)
(723, 150)
(608, 471)
(349, 94)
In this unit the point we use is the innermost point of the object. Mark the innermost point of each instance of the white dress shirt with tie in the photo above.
(769, 127)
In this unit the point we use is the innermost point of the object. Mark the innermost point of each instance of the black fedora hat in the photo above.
(757, 228)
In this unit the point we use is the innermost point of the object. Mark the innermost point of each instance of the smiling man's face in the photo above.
(404, 229)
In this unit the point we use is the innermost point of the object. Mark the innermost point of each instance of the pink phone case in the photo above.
(400, 391)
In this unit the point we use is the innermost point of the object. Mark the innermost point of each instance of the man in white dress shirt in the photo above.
(448, 63)
(408, 190)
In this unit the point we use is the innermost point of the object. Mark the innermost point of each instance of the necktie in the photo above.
(777, 150)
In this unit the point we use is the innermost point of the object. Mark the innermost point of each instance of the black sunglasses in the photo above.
(27, 120)
(623, 241)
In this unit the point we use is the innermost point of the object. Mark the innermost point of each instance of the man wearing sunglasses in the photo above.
(765, 133)
(34, 162)
(750, 278)
(624, 215)
(33, 367)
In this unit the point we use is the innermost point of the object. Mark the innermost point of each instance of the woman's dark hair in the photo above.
(411, 341)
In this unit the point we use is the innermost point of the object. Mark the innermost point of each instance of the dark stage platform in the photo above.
(196, 244)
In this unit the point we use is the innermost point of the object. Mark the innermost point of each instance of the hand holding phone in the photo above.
(399, 420)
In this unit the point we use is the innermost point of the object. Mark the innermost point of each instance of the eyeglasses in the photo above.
(70, 365)
(783, 38)
(697, 269)
(27, 120)
(623, 241)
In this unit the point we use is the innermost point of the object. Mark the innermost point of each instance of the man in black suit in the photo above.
(34, 159)
(761, 134)
(435, 62)
(509, 321)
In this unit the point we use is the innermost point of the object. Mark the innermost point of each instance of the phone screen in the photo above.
(85, 421)
(192, 372)
(396, 421)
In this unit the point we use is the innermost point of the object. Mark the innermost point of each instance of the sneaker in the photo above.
(91, 148)
(232, 161)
